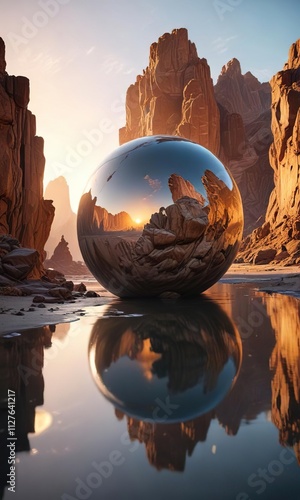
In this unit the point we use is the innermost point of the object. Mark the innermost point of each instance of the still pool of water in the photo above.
(195, 399)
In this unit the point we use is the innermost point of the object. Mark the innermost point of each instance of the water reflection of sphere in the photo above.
(160, 214)
(185, 354)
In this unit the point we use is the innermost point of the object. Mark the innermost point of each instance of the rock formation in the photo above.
(62, 260)
(246, 136)
(62, 253)
(23, 211)
(16, 263)
(175, 95)
(280, 234)
(242, 94)
(64, 220)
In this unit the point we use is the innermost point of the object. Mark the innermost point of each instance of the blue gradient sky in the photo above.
(81, 56)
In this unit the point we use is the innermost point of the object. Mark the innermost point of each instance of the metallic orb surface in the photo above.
(165, 361)
(161, 214)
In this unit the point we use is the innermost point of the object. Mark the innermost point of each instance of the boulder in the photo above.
(19, 263)
(264, 256)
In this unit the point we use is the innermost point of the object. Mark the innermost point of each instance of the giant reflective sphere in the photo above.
(161, 214)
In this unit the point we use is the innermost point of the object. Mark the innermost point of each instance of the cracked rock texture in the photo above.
(281, 230)
(23, 211)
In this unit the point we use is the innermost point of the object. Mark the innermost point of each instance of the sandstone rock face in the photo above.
(246, 137)
(175, 95)
(242, 94)
(281, 229)
(23, 211)
(65, 219)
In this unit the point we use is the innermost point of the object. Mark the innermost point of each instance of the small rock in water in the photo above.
(80, 288)
(38, 298)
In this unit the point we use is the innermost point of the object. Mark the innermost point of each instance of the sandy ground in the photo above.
(271, 279)
(19, 313)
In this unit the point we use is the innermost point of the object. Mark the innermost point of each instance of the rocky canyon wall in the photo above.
(175, 95)
(279, 236)
(23, 211)
(246, 137)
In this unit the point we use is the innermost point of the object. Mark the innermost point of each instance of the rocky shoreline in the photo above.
(24, 312)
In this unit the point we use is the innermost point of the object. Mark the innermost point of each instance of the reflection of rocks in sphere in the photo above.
(161, 214)
(187, 354)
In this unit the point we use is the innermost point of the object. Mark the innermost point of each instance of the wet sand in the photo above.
(32, 316)
(19, 313)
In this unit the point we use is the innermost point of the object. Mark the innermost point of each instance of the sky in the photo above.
(81, 56)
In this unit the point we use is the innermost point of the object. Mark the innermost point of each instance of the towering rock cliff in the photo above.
(23, 211)
(175, 95)
(246, 137)
(281, 230)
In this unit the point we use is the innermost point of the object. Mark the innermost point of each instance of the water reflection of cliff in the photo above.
(270, 374)
(284, 312)
(21, 364)
(257, 389)
(251, 394)
(167, 446)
